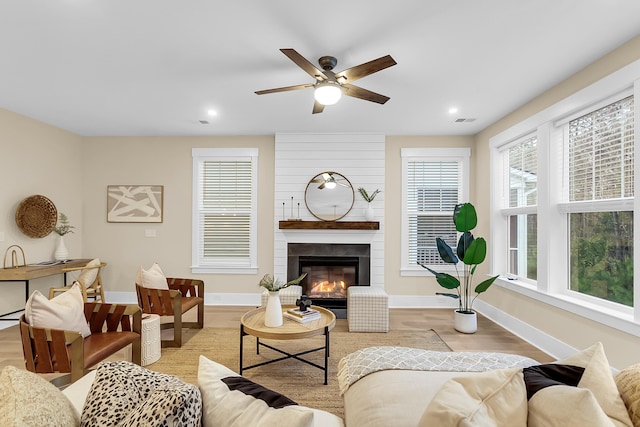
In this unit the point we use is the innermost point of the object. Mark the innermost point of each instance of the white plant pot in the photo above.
(273, 312)
(61, 253)
(369, 214)
(467, 323)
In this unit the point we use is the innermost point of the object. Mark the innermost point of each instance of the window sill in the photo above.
(224, 270)
(613, 319)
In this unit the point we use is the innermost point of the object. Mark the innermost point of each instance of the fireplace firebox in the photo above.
(331, 269)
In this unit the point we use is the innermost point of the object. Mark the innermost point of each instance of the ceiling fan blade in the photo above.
(317, 107)
(367, 95)
(303, 63)
(359, 71)
(283, 89)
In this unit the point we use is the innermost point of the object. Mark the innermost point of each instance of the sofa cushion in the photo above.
(64, 311)
(231, 400)
(628, 382)
(154, 277)
(598, 382)
(491, 398)
(88, 276)
(29, 400)
(125, 394)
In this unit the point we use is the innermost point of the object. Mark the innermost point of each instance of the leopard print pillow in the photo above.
(125, 394)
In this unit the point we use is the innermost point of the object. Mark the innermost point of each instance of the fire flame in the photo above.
(326, 287)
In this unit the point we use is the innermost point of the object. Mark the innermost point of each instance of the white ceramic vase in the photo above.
(273, 312)
(464, 322)
(61, 253)
(369, 214)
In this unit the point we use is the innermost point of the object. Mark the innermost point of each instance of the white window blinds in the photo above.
(601, 153)
(433, 190)
(522, 173)
(225, 210)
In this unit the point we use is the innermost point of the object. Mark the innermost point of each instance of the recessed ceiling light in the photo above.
(453, 110)
(212, 113)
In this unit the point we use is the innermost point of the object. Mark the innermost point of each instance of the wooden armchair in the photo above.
(182, 296)
(93, 289)
(113, 327)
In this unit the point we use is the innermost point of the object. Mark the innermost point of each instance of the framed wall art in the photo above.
(134, 203)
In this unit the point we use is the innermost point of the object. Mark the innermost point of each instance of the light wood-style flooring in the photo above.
(490, 336)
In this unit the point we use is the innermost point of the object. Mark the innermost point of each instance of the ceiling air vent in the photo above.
(464, 120)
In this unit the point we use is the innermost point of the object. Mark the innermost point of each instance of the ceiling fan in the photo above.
(329, 181)
(329, 86)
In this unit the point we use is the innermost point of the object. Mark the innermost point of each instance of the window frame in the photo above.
(458, 154)
(553, 276)
(198, 264)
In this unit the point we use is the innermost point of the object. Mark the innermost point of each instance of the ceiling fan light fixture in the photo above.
(327, 93)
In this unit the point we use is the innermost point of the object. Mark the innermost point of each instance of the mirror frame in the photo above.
(312, 185)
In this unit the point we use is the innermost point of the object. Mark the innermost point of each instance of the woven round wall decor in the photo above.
(36, 216)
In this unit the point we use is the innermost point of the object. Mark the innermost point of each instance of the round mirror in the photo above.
(329, 196)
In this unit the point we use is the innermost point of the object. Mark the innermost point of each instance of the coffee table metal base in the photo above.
(286, 354)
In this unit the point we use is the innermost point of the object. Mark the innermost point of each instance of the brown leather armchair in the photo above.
(182, 296)
(113, 327)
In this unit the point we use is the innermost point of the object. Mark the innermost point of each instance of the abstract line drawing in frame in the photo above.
(134, 203)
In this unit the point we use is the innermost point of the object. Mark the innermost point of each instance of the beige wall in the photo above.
(622, 349)
(37, 159)
(164, 161)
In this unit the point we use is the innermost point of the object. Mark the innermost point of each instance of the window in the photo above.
(521, 173)
(434, 182)
(563, 204)
(600, 174)
(224, 210)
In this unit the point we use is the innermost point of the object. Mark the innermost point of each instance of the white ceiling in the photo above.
(154, 67)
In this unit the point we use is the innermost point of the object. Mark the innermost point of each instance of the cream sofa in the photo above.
(394, 386)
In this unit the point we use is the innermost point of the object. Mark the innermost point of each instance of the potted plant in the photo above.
(61, 253)
(273, 311)
(472, 252)
(369, 215)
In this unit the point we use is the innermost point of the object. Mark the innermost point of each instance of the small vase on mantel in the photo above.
(273, 312)
(369, 214)
(61, 253)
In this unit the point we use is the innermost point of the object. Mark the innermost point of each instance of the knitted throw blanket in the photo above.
(368, 360)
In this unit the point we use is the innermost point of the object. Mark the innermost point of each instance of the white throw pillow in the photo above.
(29, 400)
(87, 277)
(222, 406)
(64, 311)
(152, 278)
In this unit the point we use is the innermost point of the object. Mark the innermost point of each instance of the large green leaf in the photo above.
(465, 217)
(476, 253)
(464, 242)
(446, 253)
(445, 280)
(483, 286)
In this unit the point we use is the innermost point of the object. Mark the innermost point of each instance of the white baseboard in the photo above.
(545, 342)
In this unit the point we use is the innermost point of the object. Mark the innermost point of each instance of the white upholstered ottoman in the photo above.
(367, 309)
(288, 295)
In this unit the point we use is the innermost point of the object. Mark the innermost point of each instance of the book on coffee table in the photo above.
(308, 312)
(305, 319)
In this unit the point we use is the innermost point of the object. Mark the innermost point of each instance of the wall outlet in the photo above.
(150, 233)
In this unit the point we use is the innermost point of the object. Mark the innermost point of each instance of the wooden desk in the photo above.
(28, 272)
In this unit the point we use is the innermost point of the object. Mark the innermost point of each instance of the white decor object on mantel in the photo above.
(273, 312)
(61, 253)
(369, 214)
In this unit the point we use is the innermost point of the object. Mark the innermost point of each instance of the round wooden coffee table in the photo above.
(252, 323)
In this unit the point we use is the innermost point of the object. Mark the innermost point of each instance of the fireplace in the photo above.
(331, 268)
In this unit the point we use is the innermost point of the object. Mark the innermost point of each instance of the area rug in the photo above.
(301, 382)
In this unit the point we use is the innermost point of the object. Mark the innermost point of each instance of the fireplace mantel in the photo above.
(329, 225)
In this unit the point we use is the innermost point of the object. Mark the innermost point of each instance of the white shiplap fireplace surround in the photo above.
(360, 157)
